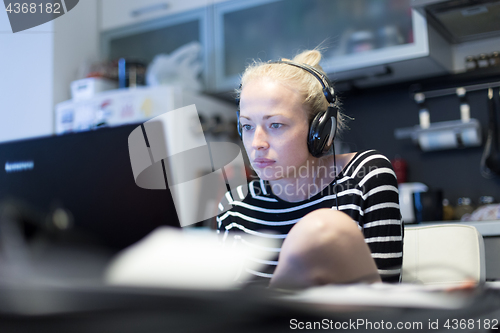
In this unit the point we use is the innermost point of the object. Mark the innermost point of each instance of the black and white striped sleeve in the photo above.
(381, 219)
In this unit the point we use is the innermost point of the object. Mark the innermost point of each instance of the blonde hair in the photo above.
(298, 79)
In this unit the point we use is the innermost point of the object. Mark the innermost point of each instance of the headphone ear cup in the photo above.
(315, 141)
(334, 124)
(322, 132)
(238, 124)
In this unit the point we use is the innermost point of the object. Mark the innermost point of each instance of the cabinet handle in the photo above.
(149, 9)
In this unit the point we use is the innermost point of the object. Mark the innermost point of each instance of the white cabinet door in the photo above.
(120, 13)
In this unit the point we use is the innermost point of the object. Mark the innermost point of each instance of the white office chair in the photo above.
(443, 254)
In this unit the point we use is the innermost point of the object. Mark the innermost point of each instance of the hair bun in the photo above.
(309, 57)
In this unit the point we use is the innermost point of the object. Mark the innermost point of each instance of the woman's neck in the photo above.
(320, 173)
(309, 179)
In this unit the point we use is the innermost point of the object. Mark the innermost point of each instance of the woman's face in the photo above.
(274, 128)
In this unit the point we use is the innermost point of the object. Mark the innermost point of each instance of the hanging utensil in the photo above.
(490, 161)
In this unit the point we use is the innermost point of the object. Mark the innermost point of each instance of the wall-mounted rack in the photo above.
(465, 132)
(453, 91)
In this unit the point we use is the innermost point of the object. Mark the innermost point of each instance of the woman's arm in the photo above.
(381, 220)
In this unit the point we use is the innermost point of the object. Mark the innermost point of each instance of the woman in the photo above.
(355, 239)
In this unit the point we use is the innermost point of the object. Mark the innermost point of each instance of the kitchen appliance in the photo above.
(428, 206)
(406, 201)
(462, 20)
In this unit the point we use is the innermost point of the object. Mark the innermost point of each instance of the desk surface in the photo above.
(107, 309)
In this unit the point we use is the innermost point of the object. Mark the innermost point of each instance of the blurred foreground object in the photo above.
(38, 248)
(186, 259)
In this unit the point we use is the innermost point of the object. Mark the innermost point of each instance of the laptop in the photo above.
(88, 176)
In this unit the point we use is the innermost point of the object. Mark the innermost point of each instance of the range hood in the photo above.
(462, 20)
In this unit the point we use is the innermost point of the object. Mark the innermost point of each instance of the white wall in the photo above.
(37, 67)
(26, 77)
(76, 41)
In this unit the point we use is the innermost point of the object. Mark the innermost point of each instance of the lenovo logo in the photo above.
(19, 166)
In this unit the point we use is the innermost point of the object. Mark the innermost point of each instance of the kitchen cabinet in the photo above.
(370, 42)
(164, 35)
(121, 13)
(361, 38)
(143, 41)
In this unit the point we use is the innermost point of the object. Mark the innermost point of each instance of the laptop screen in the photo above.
(88, 174)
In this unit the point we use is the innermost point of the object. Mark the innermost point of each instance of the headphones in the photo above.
(323, 127)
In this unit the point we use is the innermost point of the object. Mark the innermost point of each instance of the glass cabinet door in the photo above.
(146, 45)
(143, 41)
(352, 34)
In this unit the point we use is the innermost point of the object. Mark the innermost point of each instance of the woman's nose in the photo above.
(259, 140)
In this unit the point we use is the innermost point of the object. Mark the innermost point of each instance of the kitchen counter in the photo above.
(486, 228)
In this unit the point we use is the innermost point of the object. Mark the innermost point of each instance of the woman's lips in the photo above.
(262, 162)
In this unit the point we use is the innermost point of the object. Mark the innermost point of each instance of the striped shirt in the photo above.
(367, 191)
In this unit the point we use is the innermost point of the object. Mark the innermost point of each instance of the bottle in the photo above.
(400, 168)
(448, 211)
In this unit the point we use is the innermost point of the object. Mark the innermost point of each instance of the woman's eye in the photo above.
(276, 125)
(246, 127)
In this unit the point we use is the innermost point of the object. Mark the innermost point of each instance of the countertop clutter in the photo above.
(420, 203)
(125, 106)
(425, 206)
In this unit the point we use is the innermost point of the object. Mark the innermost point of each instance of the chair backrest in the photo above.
(443, 254)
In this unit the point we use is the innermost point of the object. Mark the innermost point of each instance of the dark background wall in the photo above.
(379, 111)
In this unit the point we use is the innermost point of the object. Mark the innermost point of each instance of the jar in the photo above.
(464, 208)
(483, 60)
(470, 63)
(486, 200)
(495, 59)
